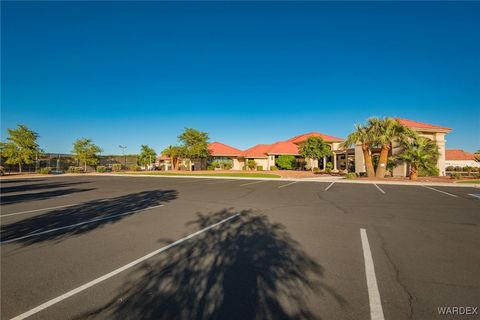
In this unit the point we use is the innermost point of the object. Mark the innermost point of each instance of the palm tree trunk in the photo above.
(368, 161)
(413, 173)
(382, 162)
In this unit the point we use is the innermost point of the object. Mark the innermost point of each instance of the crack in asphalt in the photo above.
(411, 298)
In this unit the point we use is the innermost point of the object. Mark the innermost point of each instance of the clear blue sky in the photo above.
(138, 73)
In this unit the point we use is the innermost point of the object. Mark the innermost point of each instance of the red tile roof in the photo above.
(260, 150)
(421, 125)
(458, 154)
(305, 136)
(283, 147)
(220, 149)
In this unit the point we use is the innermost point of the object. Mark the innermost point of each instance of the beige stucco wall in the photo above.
(462, 163)
(359, 160)
(238, 163)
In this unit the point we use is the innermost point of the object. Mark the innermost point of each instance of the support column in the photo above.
(335, 162)
(324, 163)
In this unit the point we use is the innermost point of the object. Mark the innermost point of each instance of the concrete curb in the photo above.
(326, 179)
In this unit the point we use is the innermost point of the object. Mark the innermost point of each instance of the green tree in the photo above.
(21, 146)
(251, 164)
(195, 144)
(422, 154)
(383, 132)
(174, 153)
(362, 135)
(477, 156)
(85, 151)
(315, 148)
(286, 162)
(147, 155)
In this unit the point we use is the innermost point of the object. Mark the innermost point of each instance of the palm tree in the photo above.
(420, 153)
(174, 153)
(383, 132)
(362, 135)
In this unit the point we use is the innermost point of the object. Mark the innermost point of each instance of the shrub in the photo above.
(251, 164)
(450, 168)
(259, 168)
(476, 175)
(74, 169)
(351, 175)
(316, 170)
(46, 170)
(428, 172)
(227, 165)
(286, 162)
(328, 167)
(101, 169)
(456, 175)
(210, 167)
(2, 171)
(458, 168)
(116, 167)
(273, 168)
(134, 167)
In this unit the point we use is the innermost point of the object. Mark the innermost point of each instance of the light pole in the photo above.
(123, 153)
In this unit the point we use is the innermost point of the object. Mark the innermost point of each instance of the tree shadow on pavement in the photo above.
(107, 211)
(24, 197)
(246, 268)
(37, 186)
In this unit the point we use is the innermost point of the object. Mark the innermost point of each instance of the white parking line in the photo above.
(379, 188)
(451, 195)
(116, 271)
(223, 181)
(36, 210)
(376, 310)
(246, 184)
(75, 225)
(474, 195)
(329, 186)
(288, 184)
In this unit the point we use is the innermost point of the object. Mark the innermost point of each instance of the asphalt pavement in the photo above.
(107, 247)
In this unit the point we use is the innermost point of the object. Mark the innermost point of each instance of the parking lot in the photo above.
(108, 247)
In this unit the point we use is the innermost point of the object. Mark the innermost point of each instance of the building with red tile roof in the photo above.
(460, 158)
(303, 137)
(220, 149)
(422, 126)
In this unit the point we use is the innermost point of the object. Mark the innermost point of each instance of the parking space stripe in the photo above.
(451, 195)
(75, 225)
(329, 186)
(474, 195)
(376, 310)
(246, 184)
(36, 210)
(223, 181)
(379, 188)
(288, 184)
(116, 271)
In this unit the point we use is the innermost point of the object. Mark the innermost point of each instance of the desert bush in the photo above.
(428, 172)
(458, 168)
(2, 171)
(134, 167)
(259, 168)
(450, 168)
(316, 170)
(116, 167)
(456, 175)
(351, 175)
(101, 169)
(273, 168)
(46, 170)
(73, 169)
